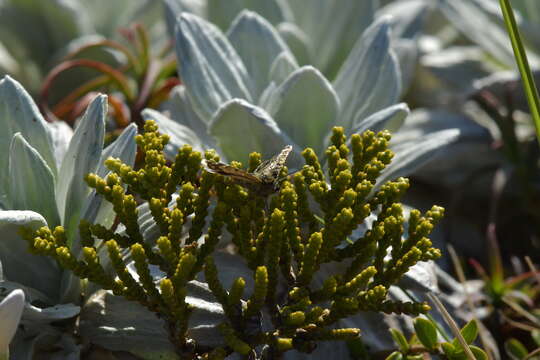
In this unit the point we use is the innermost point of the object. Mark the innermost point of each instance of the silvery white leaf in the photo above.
(123, 148)
(19, 113)
(31, 295)
(31, 181)
(297, 41)
(82, 157)
(241, 128)
(179, 109)
(390, 119)
(457, 67)
(117, 324)
(173, 8)
(412, 156)
(10, 314)
(61, 134)
(448, 76)
(407, 53)
(96, 210)
(305, 106)
(421, 278)
(332, 27)
(473, 19)
(370, 79)
(258, 44)
(408, 17)
(34, 314)
(179, 134)
(209, 67)
(39, 272)
(282, 66)
(70, 284)
(222, 13)
(267, 96)
(473, 139)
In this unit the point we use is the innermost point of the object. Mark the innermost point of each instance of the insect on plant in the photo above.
(264, 180)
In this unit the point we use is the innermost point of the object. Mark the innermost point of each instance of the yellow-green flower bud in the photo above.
(310, 258)
(256, 302)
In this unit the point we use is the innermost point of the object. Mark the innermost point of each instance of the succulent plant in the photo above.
(36, 34)
(42, 168)
(282, 241)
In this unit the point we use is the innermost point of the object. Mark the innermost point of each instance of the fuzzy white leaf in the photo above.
(332, 28)
(258, 44)
(82, 157)
(61, 134)
(282, 66)
(19, 113)
(370, 78)
(241, 128)
(474, 20)
(31, 181)
(390, 119)
(222, 13)
(297, 41)
(412, 156)
(96, 210)
(209, 67)
(39, 272)
(179, 109)
(10, 314)
(305, 106)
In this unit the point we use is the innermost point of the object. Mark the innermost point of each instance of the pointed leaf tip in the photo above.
(10, 314)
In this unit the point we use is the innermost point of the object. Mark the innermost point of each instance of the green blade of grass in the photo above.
(523, 64)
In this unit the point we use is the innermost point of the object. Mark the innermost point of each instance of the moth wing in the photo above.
(232, 172)
(269, 169)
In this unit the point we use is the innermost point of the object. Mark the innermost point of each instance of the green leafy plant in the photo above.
(426, 341)
(286, 241)
(35, 35)
(144, 79)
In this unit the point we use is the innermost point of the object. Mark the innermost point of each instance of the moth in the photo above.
(264, 180)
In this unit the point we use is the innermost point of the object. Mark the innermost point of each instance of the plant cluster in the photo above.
(143, 80)
(426, 341)
(285, 240)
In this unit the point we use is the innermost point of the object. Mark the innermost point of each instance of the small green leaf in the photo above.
(396, 355)
(415, 357)
(515, 349)
(479, 354)
(536, 337)
(448, 348)
(426, 332)
(469, 333)
(400, 340)
(459, 355)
